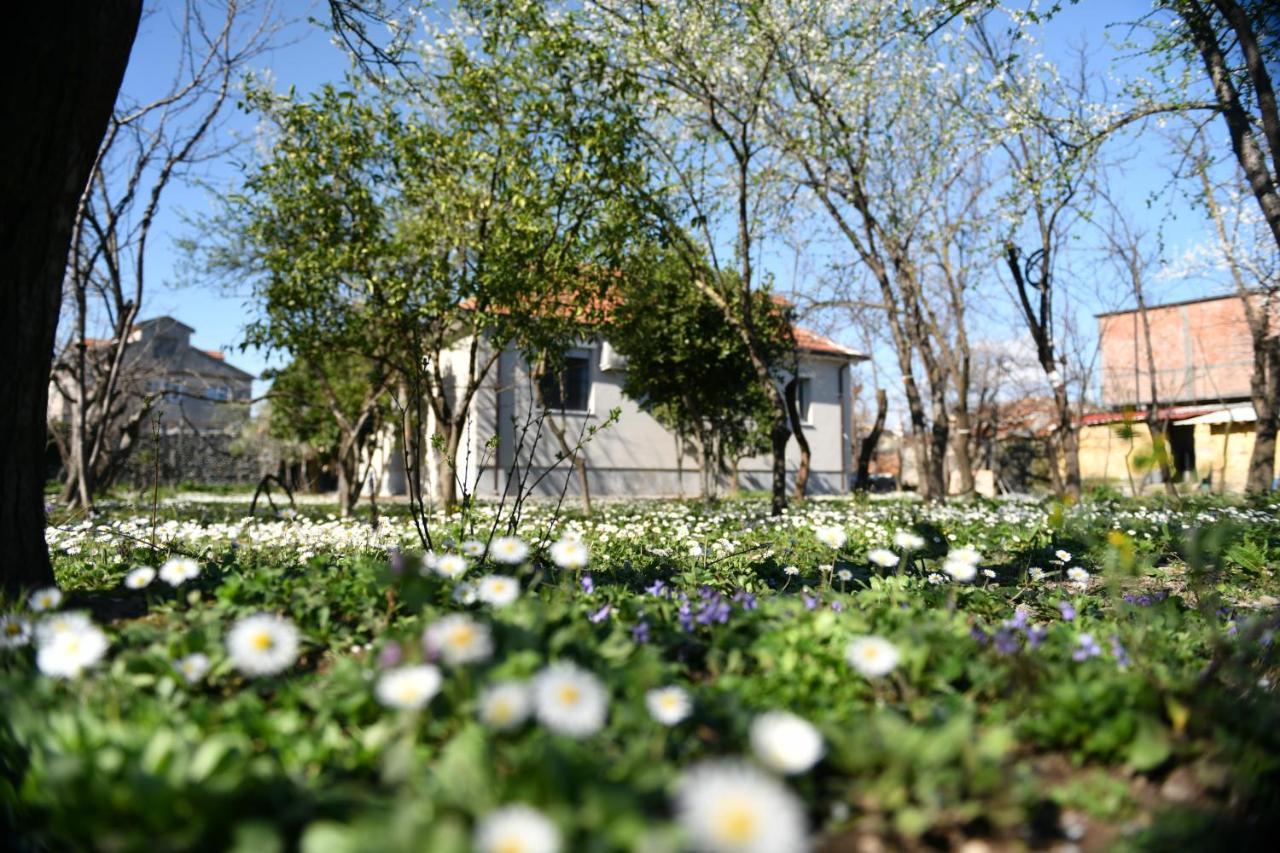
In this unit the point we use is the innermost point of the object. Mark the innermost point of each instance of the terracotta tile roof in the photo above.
(808, 340)
(1172, 413)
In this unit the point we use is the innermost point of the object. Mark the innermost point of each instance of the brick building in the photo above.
(1203, 357)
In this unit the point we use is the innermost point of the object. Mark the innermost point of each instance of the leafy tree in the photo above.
(689, 368)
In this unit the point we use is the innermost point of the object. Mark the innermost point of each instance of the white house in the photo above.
(637, 456)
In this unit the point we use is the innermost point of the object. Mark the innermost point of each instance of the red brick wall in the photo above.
(1203, 353)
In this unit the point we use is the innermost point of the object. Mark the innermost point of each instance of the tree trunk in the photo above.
(797, 426)
(1069, 442)
(1263, 385)
(867, 448)
(61, 74)
(939, 435)
(960, 451)
(779, 435)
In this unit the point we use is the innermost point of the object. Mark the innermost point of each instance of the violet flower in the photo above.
(600, 615)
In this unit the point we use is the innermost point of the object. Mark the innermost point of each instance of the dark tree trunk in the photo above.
(960, 451)
(64, 65)
(779, 435)
(1264, 391)
(797, 426)
(868, 447)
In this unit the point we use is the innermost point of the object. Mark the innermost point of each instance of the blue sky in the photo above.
(306, 59)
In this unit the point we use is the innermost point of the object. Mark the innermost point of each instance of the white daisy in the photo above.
(516, 829)
(1035, 573)
(961, 570)
(140, 577)
(66, 654)
(498, 590)
(408, 687)
(872, 656)
(14, 632)
(263, 644)
(908, 541)
(504, 705)
(731, 807)
(668, 705)
(832, 537)
(508, 550)
(791, 570)
(785, 743)
(569, 700)
(569, 554)
(45, 599)
(1063, 556)
(451, 565)
(178, 570)
(1077, 575)
(458, 639)
(883, 557)
(844, 575)
(60, 623)
(472, 548)
(192, 667)
(967, 554)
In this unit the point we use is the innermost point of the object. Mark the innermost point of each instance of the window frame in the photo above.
(804, 402)
(579, 354)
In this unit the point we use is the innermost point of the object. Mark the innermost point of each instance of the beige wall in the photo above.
(1222, 455)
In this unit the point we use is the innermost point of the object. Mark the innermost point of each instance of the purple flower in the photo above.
(1118, 652)
(657, 588)
(1019, 620)
(588, 585)
(978, 635)
(810, 602)
(744, 599)
(714, 609)
(685, 614)
(640, 633)
(1086, 647)
(390, 655)
(1006, 641)
(601, 614)
(1068, 612)
(837, 606)
(1036, 635)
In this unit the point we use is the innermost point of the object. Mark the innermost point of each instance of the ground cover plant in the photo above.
(658, 676)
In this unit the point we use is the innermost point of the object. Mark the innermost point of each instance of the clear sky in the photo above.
(306, 58)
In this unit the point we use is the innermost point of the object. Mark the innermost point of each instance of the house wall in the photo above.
(1203, 352)
(1222, 455)
(636, 456)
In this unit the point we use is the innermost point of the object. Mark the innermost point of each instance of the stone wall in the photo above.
(185, 456)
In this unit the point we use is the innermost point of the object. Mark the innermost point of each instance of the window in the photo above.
(804, 398)
(570, 388)
(173, 390)
(217, 392)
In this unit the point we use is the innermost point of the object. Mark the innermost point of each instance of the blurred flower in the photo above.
(65, 654)
(1006, 641)
(640, 633)
(14, 632)
(936, 579)
(962, 570)
(516, 829)
(1077, 575)
(791, 570)
(140, 577)
(668, 705)
(1063, 556)
(883, 557)
(1036, 635)
(988, 573)
(569, 554)
(472, 548)
(810, 601)
(178, 570)
(832, 537)
(908, 541)
(844, 575)
(508, 550)
(60, 623)
(785, 743)
(1118, 652)
(569, 700)
(588, 584)
(872, 656)
(600, 615)
(731, 807)
(408, 687)
(504, 705)
(263, 644)
(498, 590)
(451, 565)
(193, 667)
(390, 655)
(458, 639)
(657, 588)
(1068, 612)
(745, 600)
(1086, 647)
(45, 599)
(1035, 573)
(465, 593)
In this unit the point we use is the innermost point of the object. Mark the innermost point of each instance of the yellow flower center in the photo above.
(509, 845)
(13, 629)
(501, 711)
(262, 641)
(735, 822)
(570, 695)
(461, 635)
(407, 692)
(669, 702)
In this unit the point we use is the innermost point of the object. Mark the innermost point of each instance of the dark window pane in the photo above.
(570, 389)
(803, 398)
